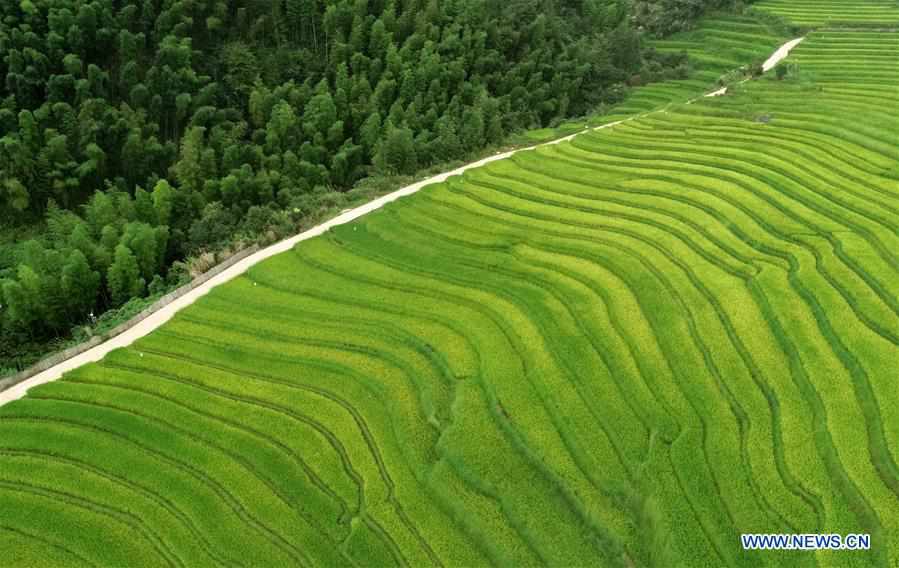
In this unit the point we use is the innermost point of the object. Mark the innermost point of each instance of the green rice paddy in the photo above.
(817, 13)
(722, 43)
(623, 350)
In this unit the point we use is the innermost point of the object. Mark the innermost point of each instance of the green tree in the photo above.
(282, 130)
(22, 298)
(80, 240)
(124, 279)
(471, 132)
(144, 208)
(163, 201)
(371, 133)
(14, 195)
(80, 285)
(140, 239)
(101, 99)
(100, 212)
(396, 152)
(320, 113)
(189, 169)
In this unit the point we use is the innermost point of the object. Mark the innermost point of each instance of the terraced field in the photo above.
(719, 44)
(818, 13)
(624, 350)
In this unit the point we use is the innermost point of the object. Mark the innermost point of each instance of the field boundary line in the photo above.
(15, 387)
(54, 367)
(782, 52)
(66, 354)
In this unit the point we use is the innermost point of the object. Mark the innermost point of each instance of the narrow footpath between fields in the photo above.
(165, 313)
(769, 64)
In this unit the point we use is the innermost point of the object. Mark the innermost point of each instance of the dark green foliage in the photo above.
(664, 17)
(396, 153)
(124, 276)
(221, 108)
(163, 201)
(79, 283)
(781, 72)
(22, 297)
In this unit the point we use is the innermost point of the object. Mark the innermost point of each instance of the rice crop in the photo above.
(623, 350)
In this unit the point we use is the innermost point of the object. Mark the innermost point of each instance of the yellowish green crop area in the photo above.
(816, 13)
(720, 44)
(623, 350)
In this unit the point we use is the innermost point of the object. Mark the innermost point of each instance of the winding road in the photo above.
(769, 64)
(165, 313)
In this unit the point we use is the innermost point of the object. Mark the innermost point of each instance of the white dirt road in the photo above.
(781, 54)
(769, 64)
(164, 314)
(158, 318)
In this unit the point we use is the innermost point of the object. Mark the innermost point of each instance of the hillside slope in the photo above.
(626, 349)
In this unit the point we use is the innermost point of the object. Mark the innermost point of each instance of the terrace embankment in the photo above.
(626, 348)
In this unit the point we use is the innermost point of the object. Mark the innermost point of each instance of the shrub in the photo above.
(201, 263)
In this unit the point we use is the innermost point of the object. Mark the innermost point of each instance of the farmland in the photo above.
(817, 13)
(723, 43)
(622, 350)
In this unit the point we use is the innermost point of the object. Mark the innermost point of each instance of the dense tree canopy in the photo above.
(663, 17)
(141, 131)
